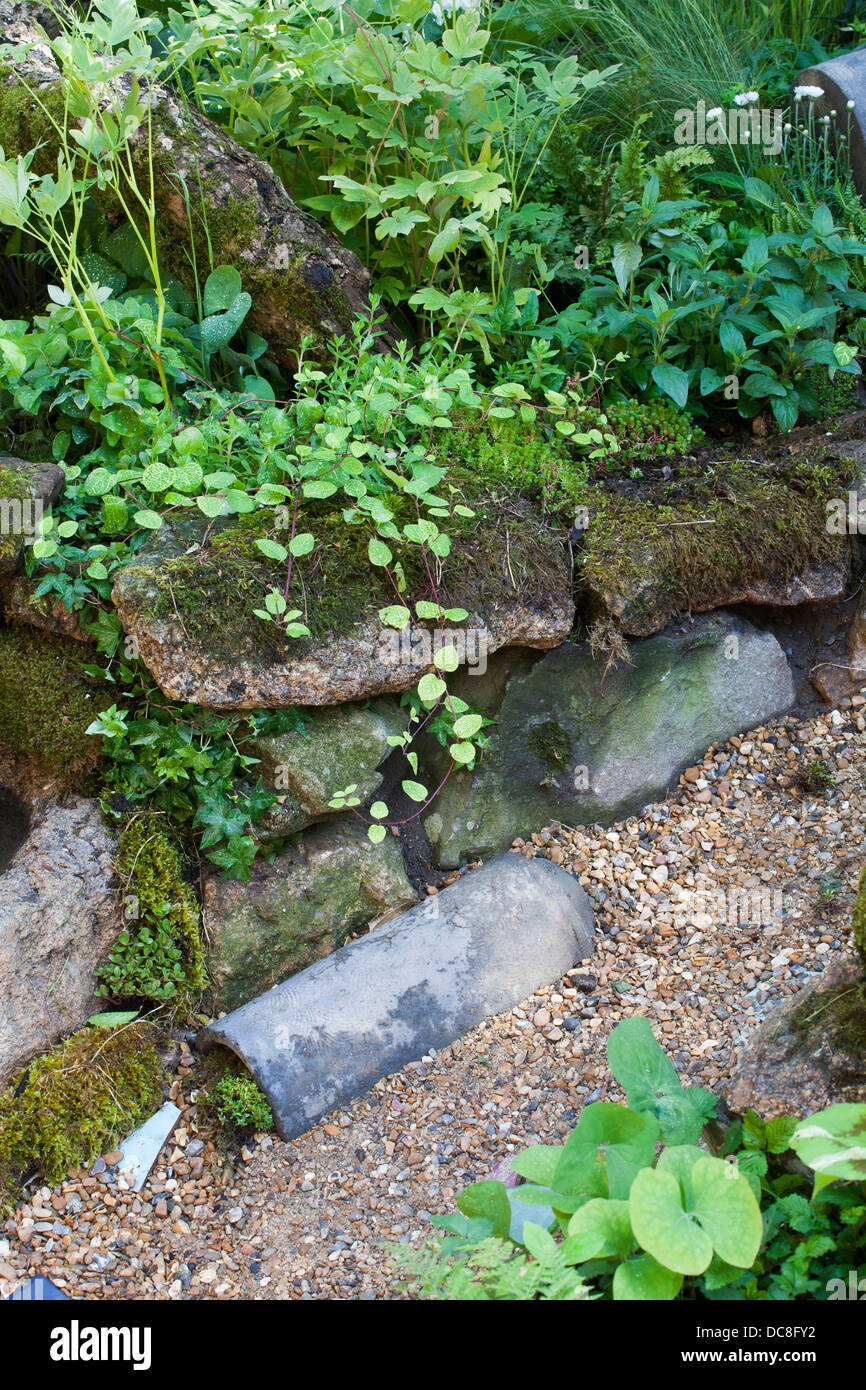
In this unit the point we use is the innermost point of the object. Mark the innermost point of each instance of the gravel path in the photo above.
(712, 907)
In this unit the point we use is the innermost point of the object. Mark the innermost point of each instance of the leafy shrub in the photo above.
(75, 1102)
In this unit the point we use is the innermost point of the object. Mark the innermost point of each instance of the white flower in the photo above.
(745, 98)
(850, 105)
(715, 113)
(811, 92)
(788, 127)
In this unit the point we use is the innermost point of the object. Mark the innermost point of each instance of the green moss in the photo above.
(26, 123)
(214, 594)
(47, 701)
(840, 1013)
(832, 397)
(14, 486)
(159, 956)
(550, 743)
(75, 1103)
(858, 921)
(680, 547)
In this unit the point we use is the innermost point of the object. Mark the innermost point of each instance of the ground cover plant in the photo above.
(609, 1215)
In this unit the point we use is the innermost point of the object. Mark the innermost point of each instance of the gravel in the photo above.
(309, 1219)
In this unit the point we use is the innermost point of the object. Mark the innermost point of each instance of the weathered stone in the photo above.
(58, 919)
(576, 743)
(745, 531)
(810, 1052)
(336, 748)
(297, 908)
(841, 80)
(19, 601)
(26, 490)
(480, 946)
(301, 280)
(193, 617)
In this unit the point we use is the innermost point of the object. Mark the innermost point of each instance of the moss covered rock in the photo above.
(47, 701)
(193, 616)
(580, 743)
(26, 490)
(297, 908)
(336, 748)
(735, 532)
(75, 1103)
(810, 1052)
(301, 280)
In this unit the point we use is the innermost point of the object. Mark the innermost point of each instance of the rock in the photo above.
(810, 1052)
(480, 946)
(301, 280)
(580, 746)
(334, 749)
(842, 80)
(58, 919)
(857, 644)
(20, 602)
(297, 908)
(26, 491)
(193, 616)
(751, 532)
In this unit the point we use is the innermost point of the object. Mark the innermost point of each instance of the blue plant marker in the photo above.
(38, 1289)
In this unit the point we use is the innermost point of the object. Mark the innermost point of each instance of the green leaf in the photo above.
(302, 544)
(608, 1220)
(376, 833)
(673, 381)
(462, 753)
(468, 725)
(395, 616)
(379, 552)
(378, 810)
(627, 256)
(151, 521)
(415, 792)
(273, 550)
(607, 1147)
(112, 1020)
(222, 288)
(663, 1228)
(431, 689)
(833, 1142)
(158, 478)
(489, 1200)
(644, 1279)
(723, 1217)
(446, 659)
(211, 506)
(538, 1163)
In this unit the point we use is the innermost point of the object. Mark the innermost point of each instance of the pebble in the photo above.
(313, 1219)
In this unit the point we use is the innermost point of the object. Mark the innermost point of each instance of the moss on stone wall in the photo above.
(47, 701)
(682, 546)
(14, 486)
(75, 1102)
(159, 954)
(511, 554)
